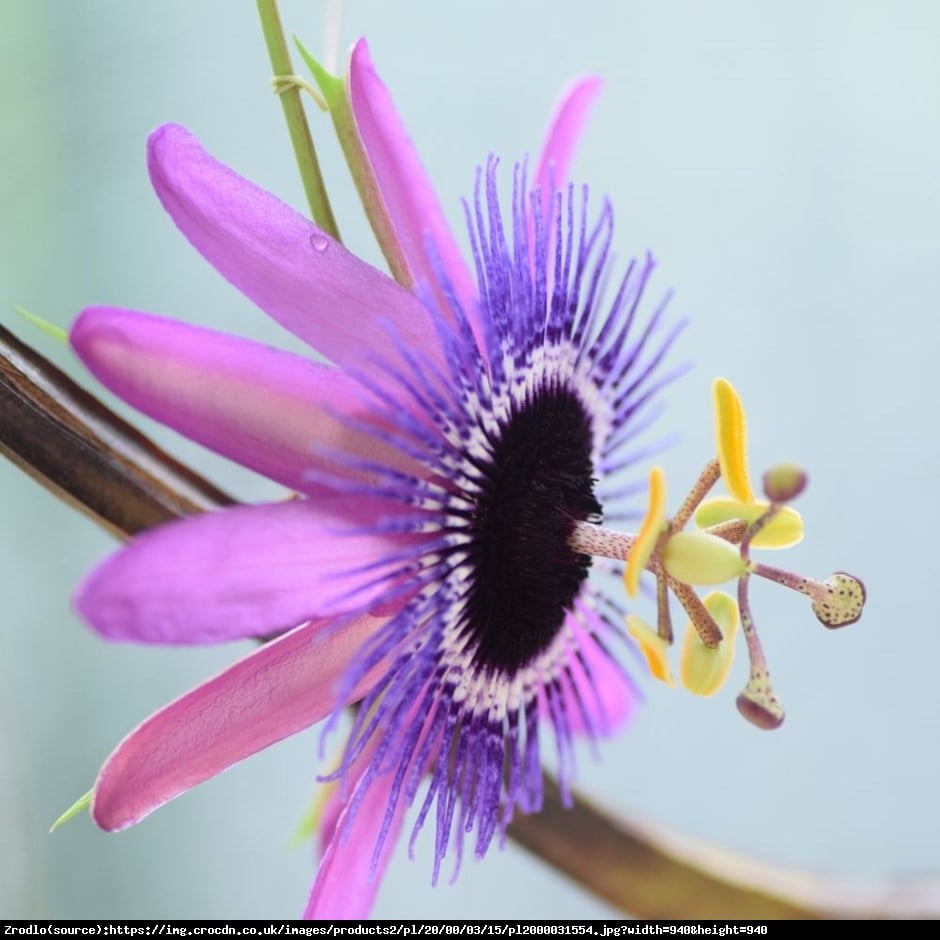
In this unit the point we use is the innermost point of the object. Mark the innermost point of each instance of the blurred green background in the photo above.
(781, 162)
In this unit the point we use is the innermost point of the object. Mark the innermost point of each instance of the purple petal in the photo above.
(409, 197)
(280, 689)
(608, 696)
(347, 882)
(271, 411)
(300, 276)
(246, 571)
(564, 129)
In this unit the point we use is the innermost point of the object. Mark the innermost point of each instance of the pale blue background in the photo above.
(780, 159)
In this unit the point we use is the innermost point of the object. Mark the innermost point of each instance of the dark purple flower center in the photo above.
(537, 482)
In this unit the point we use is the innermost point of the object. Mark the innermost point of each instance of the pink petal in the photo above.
(280, 689)
(409, 197)
(246, 571)
(346, 883)
(564, 129)
(606, 693)
(271, 411)
(291, 269)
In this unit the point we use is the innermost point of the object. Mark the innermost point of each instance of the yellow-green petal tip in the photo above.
(79, 806)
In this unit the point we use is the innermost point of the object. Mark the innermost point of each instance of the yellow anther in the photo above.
(652, 528)
(731, 435)
(703, 670)
(653, 647)
(784, 530)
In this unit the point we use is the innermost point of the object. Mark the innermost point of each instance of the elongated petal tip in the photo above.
(351, 869)
(564, 130)
(83, 331)
(405, 191)
(360, 54)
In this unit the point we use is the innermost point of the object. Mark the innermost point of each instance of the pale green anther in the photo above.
(336, 93)
(698, 558)
(79, 806)
(702, 669)
(783, 530)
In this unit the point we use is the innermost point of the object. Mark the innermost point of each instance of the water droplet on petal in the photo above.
(319, 241)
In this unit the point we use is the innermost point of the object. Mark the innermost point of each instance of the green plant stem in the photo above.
(336, 94)
(297, 126)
